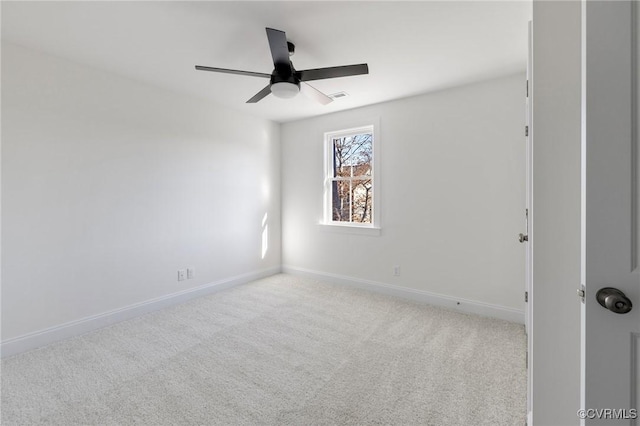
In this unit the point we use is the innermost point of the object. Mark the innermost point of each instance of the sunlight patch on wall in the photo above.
(265, 236)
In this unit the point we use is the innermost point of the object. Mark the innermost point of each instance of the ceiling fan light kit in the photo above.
(285, 90)
(285, 82)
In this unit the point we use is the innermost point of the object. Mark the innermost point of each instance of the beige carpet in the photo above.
(279, 351)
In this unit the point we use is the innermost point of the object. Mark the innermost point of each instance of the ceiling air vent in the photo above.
(338, 95)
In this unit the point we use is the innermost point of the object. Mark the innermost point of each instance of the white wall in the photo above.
(555, 356)
(109, 186)
(452, 193)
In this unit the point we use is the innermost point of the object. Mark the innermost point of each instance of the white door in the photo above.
(611, 222)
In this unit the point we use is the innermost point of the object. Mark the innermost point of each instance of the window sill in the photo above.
(350, 229)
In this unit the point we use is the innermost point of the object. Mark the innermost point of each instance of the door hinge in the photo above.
(526, 130)
(581, 293)
(527, 88)
(526, 296)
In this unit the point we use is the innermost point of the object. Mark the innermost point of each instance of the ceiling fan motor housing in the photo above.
(284, 82)
(284, 73)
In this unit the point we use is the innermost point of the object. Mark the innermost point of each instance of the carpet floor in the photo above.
(283, 350)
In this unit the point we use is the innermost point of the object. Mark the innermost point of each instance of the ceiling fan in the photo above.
(285, 80)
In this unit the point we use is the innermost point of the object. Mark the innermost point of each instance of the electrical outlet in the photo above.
(191, 273)
(396, 271)
(182, 273)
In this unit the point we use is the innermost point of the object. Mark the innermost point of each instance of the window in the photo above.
(349, 178)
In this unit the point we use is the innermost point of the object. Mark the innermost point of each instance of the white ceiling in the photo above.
(411, 47)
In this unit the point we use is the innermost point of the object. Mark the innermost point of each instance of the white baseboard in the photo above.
(75, 328)
(454, 303)
(67, 330)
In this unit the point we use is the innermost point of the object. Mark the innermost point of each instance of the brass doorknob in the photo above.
(614, 300)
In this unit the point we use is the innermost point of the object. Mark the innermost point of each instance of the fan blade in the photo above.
(313, 93)
(278, 46)
(332, 72)
(228, 71)
(261, 94)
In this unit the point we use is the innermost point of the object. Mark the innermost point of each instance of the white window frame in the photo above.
(328, 223)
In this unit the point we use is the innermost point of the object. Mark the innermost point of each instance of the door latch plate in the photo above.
(581, 293)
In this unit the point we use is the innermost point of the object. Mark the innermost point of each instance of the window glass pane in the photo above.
(341, 201)
(361, 195)
(352, 155)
